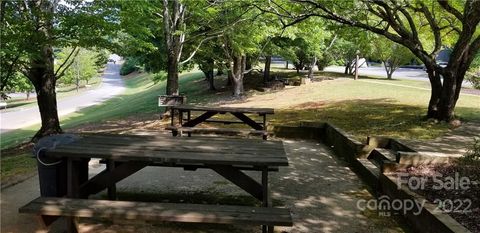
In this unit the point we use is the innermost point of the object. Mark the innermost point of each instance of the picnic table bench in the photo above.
(127, 154)
(188, 125)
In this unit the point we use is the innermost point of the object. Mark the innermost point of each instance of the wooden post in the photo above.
(112, 189)
(72, 191)
(266, 198)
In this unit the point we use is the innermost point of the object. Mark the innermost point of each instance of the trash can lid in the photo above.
(51, 142)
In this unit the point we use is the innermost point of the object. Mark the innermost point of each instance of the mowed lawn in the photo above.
(363, 107)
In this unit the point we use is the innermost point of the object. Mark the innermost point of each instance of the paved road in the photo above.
(111, 85)
(401, 73)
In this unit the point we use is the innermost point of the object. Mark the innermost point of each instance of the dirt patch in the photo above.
(310, 105)
(125, 125)
(443, 187)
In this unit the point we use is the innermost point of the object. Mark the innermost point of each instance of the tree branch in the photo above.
(450, 9)
(67, 60)
(66, 66)
(196, 49)
(435, 28)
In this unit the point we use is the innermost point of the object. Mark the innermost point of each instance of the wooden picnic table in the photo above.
(127, 154)
(241, 113)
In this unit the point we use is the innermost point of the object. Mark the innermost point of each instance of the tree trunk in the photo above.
(444, 95)
(356, 68)
(173, 25)
(286, 65)
(209, 74)
(266, 71)
(172, 76)
(436, 85)
(42, 76)
(310, 69)
(238, 69)
(388, 69)
(229, 75)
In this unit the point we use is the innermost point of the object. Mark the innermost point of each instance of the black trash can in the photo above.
(53, 177)
(52, 173)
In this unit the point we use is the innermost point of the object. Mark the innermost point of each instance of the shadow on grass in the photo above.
(365, 117)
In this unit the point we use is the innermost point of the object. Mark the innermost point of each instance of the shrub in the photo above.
(473, 154)
(129, 66)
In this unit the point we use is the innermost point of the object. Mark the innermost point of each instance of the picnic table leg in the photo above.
(72, 190)
(180, 120)
(265, 125)
(266, 197)
(172, 121)
(112, 189)
(188, 119)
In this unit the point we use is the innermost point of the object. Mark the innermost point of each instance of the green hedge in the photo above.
(129, 66)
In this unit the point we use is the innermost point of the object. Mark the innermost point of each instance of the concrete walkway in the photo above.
(320, 190)
(453, 144)
(111, 85)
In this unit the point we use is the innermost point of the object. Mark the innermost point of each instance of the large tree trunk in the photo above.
(42, 76)
(173, 23)
(238, 69)
(266, 71)
(444, 95)
(47, 104)
(172, 76)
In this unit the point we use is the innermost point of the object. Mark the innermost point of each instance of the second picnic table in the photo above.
(241, 113)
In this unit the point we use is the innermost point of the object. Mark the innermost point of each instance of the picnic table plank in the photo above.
(168, 157)
(151, 211)
(183, 144)
(205, 145)
(175, 150)
(225, 109)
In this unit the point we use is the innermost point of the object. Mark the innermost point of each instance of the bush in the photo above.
(473, 154)
(129, 66)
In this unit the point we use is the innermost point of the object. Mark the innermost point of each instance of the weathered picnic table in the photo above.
(242, 114)
(127, 154)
